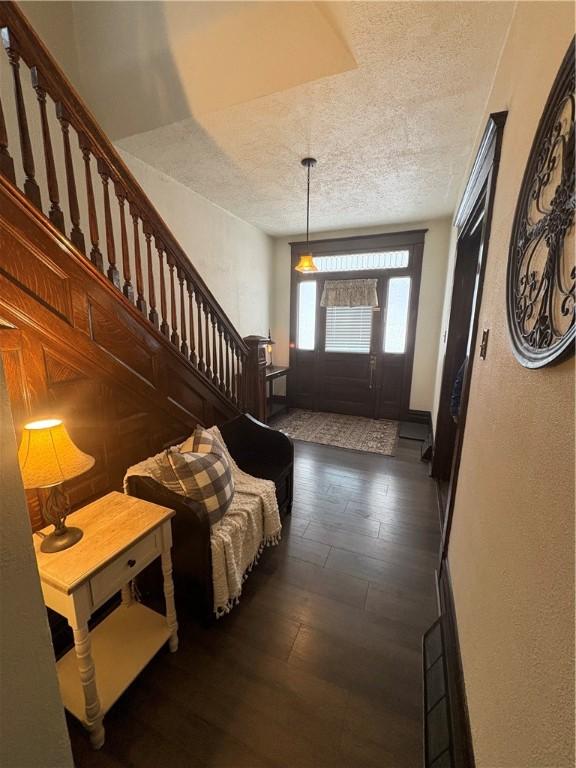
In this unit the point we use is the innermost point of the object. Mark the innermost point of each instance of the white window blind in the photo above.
(348, 329)
(306, 330)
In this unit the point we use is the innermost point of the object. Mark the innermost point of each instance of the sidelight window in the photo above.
(306, 328)
(348, 329)
(397, 305)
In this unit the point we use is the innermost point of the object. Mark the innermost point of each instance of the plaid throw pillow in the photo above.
(203, 473)
(202, 441)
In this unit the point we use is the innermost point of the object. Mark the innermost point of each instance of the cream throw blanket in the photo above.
(251, 523)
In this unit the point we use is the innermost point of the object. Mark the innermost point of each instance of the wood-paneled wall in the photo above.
(73, 349)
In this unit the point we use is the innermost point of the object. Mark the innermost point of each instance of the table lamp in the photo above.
(48, 457)
(269, 348)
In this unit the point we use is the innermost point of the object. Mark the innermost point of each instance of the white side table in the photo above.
(122, 535)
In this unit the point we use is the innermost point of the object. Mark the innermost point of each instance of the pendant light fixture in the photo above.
(306, 260)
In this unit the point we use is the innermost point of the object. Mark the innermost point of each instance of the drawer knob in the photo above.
(131, 563)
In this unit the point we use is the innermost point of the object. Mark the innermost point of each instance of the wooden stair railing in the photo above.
(122, 236)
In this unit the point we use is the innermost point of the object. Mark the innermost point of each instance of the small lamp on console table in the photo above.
(269, 350)
(48, 458)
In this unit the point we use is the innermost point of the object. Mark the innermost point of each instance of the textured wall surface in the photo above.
(434, 266)
(233, 257)
(32, 726)
(512, 546)
(54, 22)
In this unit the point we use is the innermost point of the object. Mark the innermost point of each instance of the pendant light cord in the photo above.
(308, 211)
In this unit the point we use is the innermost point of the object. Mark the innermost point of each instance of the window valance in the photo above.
(350, 293)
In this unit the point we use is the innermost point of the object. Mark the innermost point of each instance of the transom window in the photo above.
(356, 262)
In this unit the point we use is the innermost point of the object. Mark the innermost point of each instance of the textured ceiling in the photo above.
(392, 127)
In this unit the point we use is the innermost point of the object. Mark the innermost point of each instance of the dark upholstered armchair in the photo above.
(258, 450)
(262, 452)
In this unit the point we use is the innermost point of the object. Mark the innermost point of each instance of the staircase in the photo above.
(104, 321)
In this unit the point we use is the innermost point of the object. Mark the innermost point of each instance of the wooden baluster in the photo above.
(240, 385)
(76, 235)
(201, 366)
(214, 351)
(55, 214)
(227, 351)
(140, 300)
(221, 359)
(244, 382)
(153, 314)
(234, 379)
(31, 188)
(6, 162)
(164, 327)
(174, 338)
(127, 288)
(113, 274)
(183, 345)
(207, 356)
(95, 255)
(190, 287)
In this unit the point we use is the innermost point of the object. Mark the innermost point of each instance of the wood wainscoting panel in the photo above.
(75, 349)
(33, 271)
(11, 350)
(120, 341)
(12, 353)
(182, 391)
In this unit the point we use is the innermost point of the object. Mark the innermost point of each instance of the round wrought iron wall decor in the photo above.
(541, 271)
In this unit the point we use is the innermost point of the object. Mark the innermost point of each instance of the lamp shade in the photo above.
(48, 456)
(306, 263)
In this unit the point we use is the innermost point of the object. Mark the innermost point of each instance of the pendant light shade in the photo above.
(306, 263)
(306, 260)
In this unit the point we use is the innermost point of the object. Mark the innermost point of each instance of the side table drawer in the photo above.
(126, 566)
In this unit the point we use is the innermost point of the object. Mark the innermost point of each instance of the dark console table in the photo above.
(275, 404)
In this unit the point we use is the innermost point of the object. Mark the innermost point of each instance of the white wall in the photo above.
(54, 23)
(32, 724)
(233, 257)
(444, 322)
(434, 266)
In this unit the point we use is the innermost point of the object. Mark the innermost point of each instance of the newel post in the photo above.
(255, 376)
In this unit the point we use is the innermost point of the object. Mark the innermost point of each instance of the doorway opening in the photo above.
(451, 410)
(356, 359)
(473, 220)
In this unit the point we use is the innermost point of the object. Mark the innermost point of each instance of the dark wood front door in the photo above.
(346, 357)
(344, 384)
(356, 360)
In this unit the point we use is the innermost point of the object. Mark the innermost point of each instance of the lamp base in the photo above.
(61, 539)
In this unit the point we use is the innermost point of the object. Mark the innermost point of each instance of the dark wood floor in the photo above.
(319, 665)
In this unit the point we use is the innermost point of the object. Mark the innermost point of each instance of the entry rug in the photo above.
(355, 432)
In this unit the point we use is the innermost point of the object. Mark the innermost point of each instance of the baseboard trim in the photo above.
(461, 732)
(439, 502)
(420, 417)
